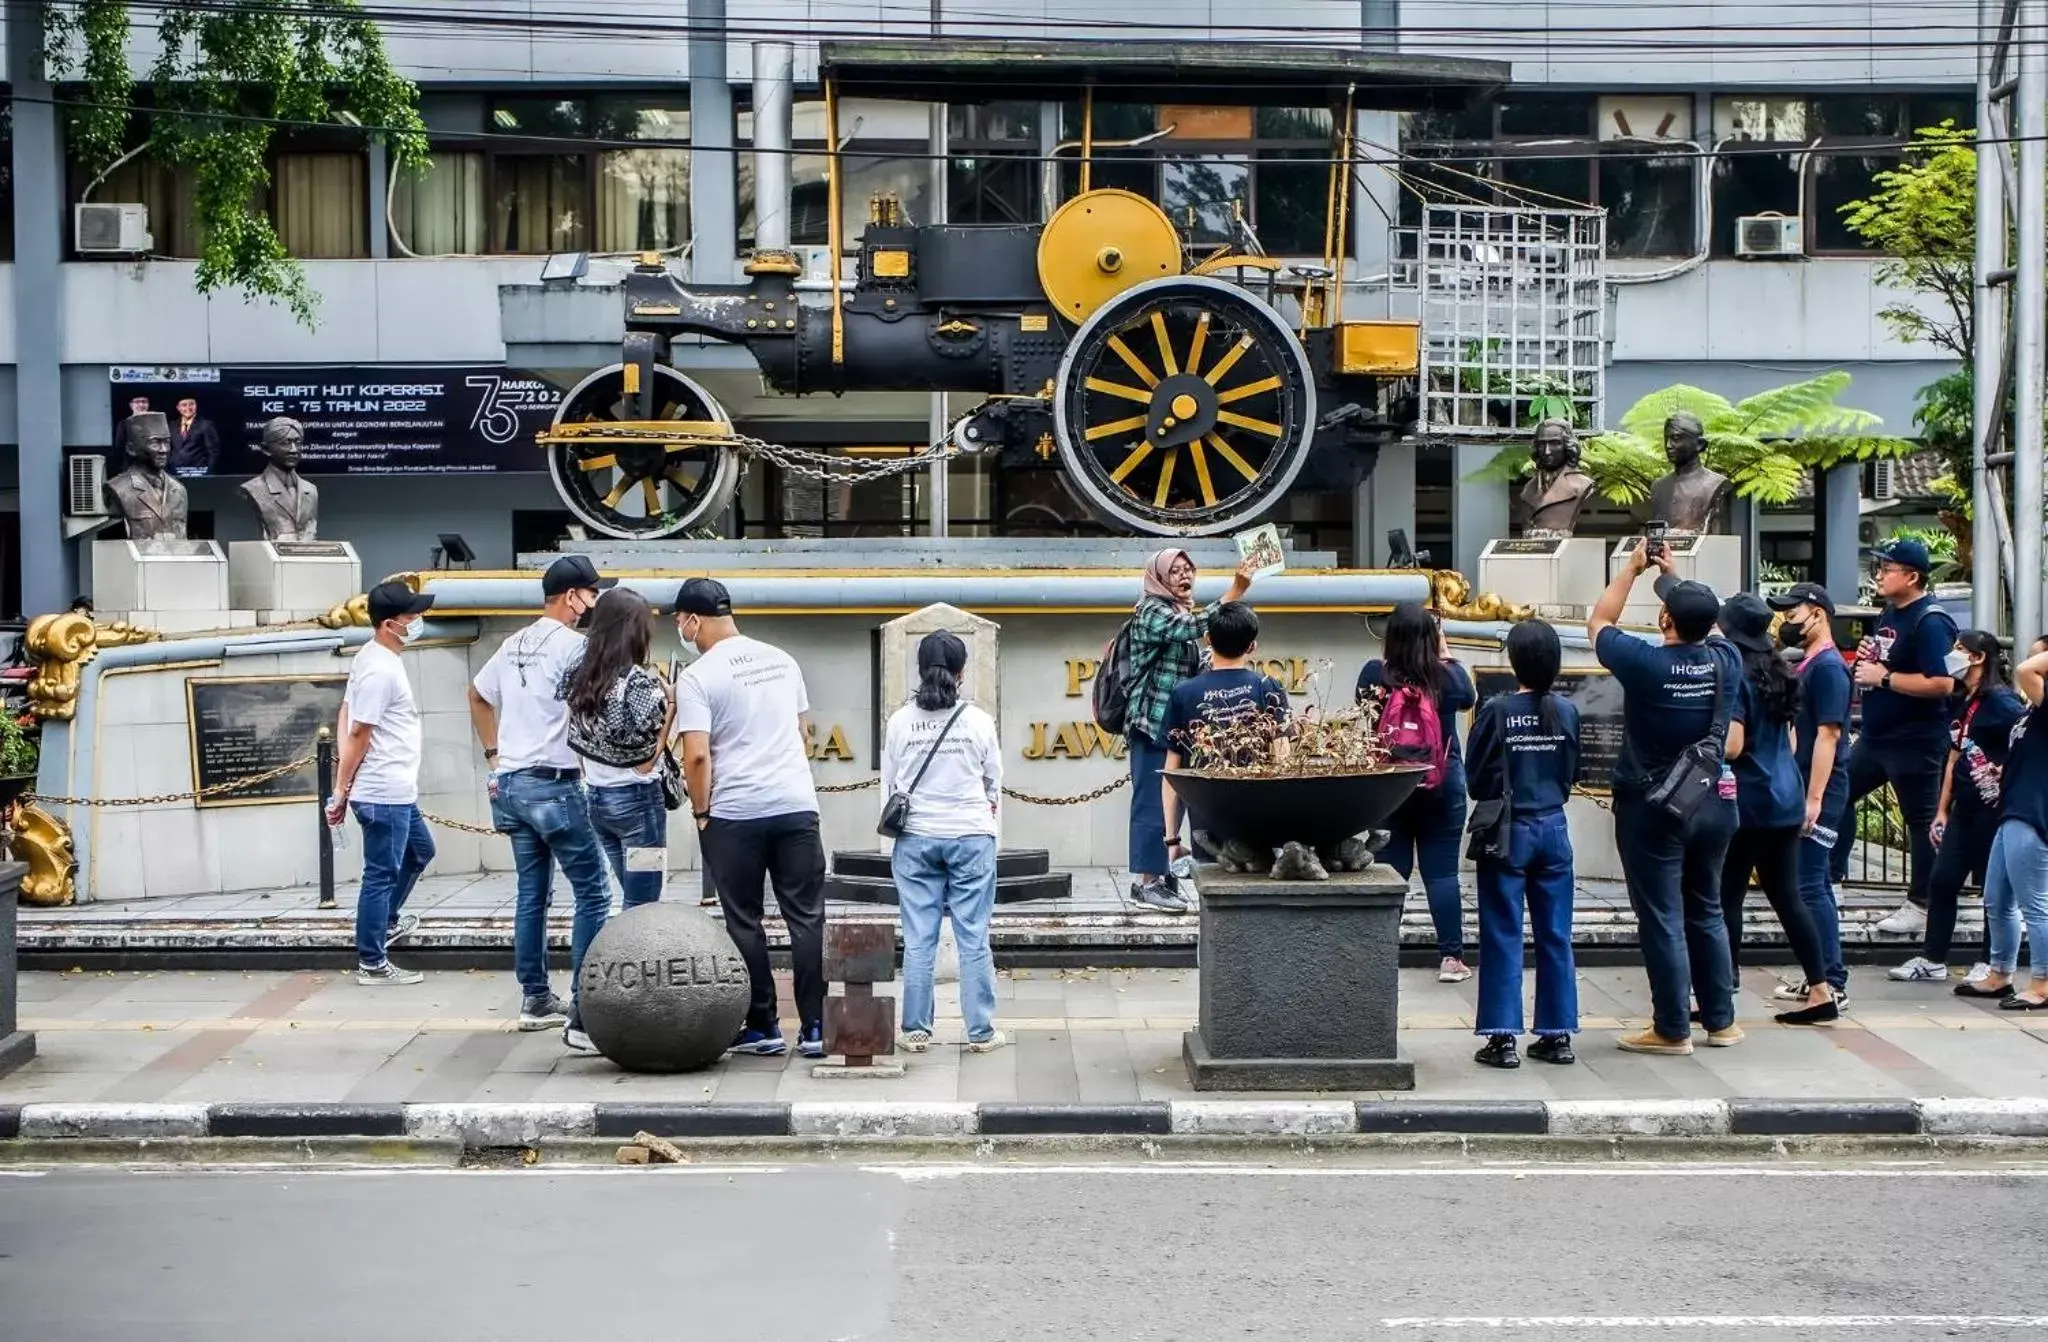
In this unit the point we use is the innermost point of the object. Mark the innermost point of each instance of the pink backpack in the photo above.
(1413, 733)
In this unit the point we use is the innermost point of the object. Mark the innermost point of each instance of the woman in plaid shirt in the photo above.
(1166, 648)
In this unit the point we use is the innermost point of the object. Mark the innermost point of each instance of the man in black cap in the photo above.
(1806, 631)
(1902, 671)
(743, 716)
(378, 777)
(1672, 689)
(536, 786)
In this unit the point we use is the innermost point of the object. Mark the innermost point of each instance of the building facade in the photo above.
(616, 127)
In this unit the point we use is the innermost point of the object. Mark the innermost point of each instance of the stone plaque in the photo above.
(247, 726)
(1597, 696)
(897, 676)
(1528, 545)
(311, 550)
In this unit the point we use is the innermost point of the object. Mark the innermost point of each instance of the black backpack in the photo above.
(1113, 678)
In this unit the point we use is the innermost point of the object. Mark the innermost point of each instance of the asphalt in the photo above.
(1301, 1248)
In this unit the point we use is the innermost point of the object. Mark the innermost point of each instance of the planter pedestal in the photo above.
(1300, 986)
(16, 1047)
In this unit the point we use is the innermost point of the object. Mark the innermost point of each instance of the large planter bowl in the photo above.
(1313, 809)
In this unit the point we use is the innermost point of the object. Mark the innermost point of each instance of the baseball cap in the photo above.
(1693, 607)
(703, 596)
(1746, 622)
(571, 573)
(1906, 553)
(394, 600)
(1802, 594)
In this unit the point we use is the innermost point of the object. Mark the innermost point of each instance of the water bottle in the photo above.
(1727, 784)
(1183, 867)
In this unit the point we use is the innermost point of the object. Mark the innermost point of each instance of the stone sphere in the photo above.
(663, 989)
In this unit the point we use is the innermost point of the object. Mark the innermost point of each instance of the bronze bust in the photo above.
(1692, 499)
(288, 506)
(1557, 490)
(146, 496)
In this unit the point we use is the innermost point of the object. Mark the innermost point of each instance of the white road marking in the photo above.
(919, 1173)
(1797, 1322)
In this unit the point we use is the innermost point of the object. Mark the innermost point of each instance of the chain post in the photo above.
(323, 758)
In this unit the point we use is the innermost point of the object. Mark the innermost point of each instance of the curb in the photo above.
(499, 1126)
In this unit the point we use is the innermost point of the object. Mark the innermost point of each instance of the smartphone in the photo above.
(1653, 538)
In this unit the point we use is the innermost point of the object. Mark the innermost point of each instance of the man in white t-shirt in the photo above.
(378, 777)
(742, 715)
(536, 787)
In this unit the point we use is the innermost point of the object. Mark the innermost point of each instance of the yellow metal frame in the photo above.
(833, 229)
(635, 430)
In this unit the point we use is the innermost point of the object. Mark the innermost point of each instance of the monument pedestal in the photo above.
(161, 584)
(16, 1045)
(1561, 576)
(1713, 560)
(292, 580)
(1300, 983)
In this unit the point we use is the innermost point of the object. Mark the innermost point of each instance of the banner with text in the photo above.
(358, 421)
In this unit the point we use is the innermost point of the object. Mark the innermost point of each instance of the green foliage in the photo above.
(228, 76)
(1765, 444)
(20, 746)
(1923, 216)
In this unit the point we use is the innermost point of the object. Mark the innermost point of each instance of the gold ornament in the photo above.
(43, 841)
(353, 613)
(60, 645)
(1453, 598)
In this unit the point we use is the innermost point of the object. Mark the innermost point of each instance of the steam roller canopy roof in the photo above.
(1224, 74)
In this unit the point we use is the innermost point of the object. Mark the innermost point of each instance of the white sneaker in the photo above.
(914, 1041)
(1906, 921)
(1978, 972)
(1453, 970)
(995, 1040)
(1919, 969)
(387, 975)
(1789, 991)
(407, 924)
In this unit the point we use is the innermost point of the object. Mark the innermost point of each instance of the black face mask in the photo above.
(589, 614)
(1791, 635)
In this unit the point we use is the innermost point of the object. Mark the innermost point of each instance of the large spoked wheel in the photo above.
(1184, 407)
(644, 488)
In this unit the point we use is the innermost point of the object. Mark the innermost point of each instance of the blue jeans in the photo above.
(1538, 873)
(2016, 891)
(955, 878)
(1674, 882)
(1816, 881)
(632, 828)
(548, 821)
(1429, 831)
(397, 846)
(1148, 811)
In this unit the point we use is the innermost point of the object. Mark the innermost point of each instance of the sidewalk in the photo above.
(1079, 1036)
(474, 914)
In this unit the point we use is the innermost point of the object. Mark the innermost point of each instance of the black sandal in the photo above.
(2018, 1003)
(1968, 989)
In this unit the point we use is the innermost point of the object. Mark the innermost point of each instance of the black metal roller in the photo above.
(641, 488)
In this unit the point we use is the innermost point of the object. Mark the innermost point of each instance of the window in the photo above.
(321, 204)
(884, 150)
(1834, 145)
(552, 174)
(993, 173)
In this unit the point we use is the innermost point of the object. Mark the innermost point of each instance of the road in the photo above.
(821, 1251)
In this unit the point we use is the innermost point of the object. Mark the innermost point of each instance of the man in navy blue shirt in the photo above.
(1671, 690)
(1807, 629)
(1903, 675)
(1229, 694)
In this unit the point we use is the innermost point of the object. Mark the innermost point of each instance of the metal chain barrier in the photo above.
(165, 799)
(1028, 798)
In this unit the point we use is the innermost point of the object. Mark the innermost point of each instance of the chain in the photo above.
(1081, 799)
(163, 799)
(803, 461)
(851, 787)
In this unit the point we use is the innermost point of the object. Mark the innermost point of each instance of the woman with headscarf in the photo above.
(1167, 630)
(941, 754)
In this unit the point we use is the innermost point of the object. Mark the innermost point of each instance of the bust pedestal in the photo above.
(1560, 576)
(284, 581)
(1713, 560)
(173, 586)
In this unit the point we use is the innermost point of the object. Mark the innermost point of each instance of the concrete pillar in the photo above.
(1385, 502)
(1837, 543)
(49, 575)
(380, 190)
(1479, 510)
(714, 190)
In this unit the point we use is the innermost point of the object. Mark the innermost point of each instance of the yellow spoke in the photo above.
(1131, 463)
(1165, 343)
(1136, 364)
(1201, 462)
(650, 494)
(1200, 341)
(1228, 361)
(1108, 388)
(1165, 477)
(1229, 454)
(680, 481)
(1267, 427)
(611, 500)
(1248, 389)
(603, 463)
(1114, 427)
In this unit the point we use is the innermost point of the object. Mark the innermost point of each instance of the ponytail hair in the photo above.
(1997, 674)
(1775, 682)
(1536, 654)
(941, 657)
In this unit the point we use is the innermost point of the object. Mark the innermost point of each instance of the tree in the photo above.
(1765, 444)
(228, 76)
(1923, 217)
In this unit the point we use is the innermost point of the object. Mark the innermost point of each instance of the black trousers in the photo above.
(1773, 854)
(788, 851)
(1913, 766)
(1965, 847)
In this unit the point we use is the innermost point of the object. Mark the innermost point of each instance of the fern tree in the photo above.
(228, 75)
(1765, 444)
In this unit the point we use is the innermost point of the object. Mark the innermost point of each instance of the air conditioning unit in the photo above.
(1883, 483)
(85, 485)
(111, 230)
(1769, 235)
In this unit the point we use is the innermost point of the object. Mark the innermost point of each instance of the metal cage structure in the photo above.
(1514, 308)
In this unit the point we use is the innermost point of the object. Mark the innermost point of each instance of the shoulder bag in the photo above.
(896, 811)
(1694, 778)
(1491, 823)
